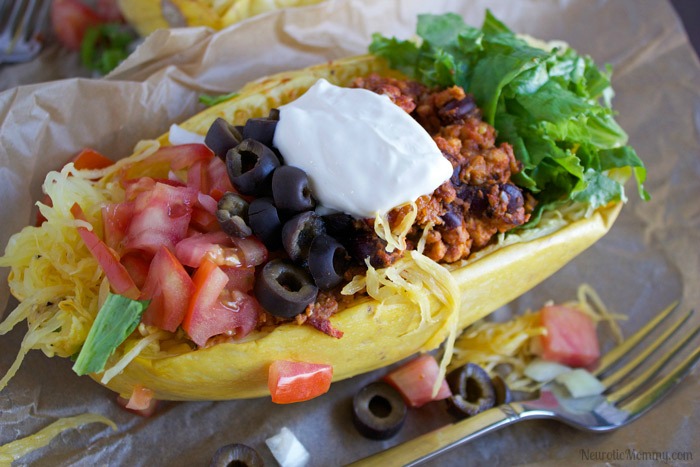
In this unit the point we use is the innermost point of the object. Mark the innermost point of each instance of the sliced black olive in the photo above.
(501, 391)
(239, 455)
(339, 224)
(328, 261)
(290, 189)
(232, 212)
(250, 166)
(378, 411)
(298, 233)
(260, 129)
(265, 222)
(472, 391)
(221, 137)
(284, 289)
(274, 114)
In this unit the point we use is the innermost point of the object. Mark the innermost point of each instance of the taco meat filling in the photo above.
(463, 215)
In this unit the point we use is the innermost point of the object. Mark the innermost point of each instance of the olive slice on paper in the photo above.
(250, 166)
(236, 454)
(472, 391)
(378, 411)
(284, 289)
(328, 261)
(501, 391)
(221, 137)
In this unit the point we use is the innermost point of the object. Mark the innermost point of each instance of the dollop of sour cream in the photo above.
(363, 154)
(178, 135)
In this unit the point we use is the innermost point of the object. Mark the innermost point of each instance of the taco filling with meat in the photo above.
(365, 199)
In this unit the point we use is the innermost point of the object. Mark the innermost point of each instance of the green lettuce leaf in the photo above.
(552, 106)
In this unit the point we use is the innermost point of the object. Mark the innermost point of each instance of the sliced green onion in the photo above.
(115, 321)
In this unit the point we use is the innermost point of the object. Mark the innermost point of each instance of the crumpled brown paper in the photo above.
(648, 259)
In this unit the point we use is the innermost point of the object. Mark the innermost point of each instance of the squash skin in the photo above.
(370, 341)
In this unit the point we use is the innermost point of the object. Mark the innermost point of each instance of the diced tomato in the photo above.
(161, 218)
(70, 19)
(213, 310)
(203, 221)
(116, 273)
(298, 381)
(140, 403)
(135, 186)
(218, 179)
(240, 278)
(216, 246)
(204, 214)
(181, 156)
(109, 11)
(197, 177)
(252, 250)
(169, 288)
(415, 381)
(571, 337)
(90, 159)
(137, 266)
(116, 218)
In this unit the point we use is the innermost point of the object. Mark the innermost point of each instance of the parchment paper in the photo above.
(648, 259)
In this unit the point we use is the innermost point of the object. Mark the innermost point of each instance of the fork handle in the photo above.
(436, 442)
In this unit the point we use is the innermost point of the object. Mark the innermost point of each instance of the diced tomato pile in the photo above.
(164, 244)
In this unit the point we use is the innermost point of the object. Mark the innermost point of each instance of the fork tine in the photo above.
(42, 15)
(11, 26)
(35, 17)
(655, 393)
(21, 32)
(642, 378)
(625, 370)
(621, 350)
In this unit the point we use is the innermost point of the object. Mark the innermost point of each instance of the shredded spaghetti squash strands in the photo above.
(395, 240)
(590, 303)
(130, 355)
(21, 447)
(489, 344)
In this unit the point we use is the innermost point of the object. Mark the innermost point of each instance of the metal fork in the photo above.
(21, 22)
(627, 396)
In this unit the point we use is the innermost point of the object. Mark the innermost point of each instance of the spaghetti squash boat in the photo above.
(191, 267)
